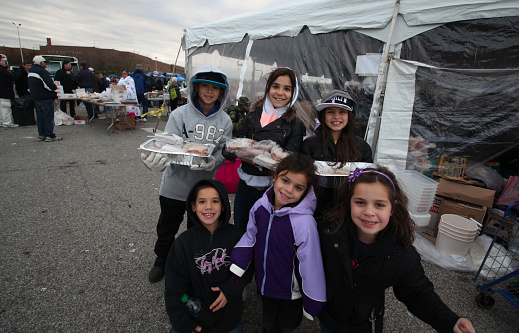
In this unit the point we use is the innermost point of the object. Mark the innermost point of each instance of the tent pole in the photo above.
(381, 84)
(178, 53)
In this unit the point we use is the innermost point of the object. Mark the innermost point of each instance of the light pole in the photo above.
(19, 41)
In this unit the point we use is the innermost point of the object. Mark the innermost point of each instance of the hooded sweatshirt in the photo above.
(199, 260)
(193, 126)
(284, 245)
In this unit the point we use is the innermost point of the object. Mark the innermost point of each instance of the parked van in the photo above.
(55, 63)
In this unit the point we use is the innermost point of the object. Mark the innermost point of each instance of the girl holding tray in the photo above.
(273, 117)
(335, 140)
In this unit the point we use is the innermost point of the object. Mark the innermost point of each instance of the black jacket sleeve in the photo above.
(364, 149)
(177, 282)
(414, 289)
(295, 140)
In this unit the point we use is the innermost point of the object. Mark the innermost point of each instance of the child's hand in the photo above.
(198, 329)
(220, 302)
(463, 325)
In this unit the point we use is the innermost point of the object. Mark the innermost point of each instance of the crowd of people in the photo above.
(33, 84)
(314, 252)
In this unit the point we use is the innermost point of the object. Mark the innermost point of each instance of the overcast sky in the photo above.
(150, 28)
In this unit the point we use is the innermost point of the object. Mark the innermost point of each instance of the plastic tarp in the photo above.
(333, 56)
(461, 99)
(454, 112)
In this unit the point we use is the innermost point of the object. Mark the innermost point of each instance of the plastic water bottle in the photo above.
(193, 305)
(199, 312)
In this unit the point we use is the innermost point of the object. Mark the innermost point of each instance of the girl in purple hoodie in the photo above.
(282, 241)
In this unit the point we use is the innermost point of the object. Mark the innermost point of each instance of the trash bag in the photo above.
(454, 262)
(490, 177)
(20, 103)
(61, 118)
(23, 111)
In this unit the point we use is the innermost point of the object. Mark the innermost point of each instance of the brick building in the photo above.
(109, 61)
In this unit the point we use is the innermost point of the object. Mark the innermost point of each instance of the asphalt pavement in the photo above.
(78, 219)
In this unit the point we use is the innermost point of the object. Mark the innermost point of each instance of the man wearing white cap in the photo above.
(43, 93)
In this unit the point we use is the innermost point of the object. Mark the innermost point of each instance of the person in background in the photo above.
(127, 81)
(273, 117)
(43, 93)
(203, 120)
(174, 92)
(66, 78)
(198, 264)
(238, 113)
(21, 81)
(104, 82)
(367, 248)
(142, 84)
(97, 88)
(335, 140)
(159, 86)
(85, 79)
(6, 94)
(159, 83)
(282, 243)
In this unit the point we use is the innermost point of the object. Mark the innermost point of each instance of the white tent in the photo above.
(332, 44)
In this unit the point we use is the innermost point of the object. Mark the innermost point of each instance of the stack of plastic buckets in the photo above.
(420, 191)
(455, 233)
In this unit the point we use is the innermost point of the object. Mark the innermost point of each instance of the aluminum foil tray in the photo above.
(187, 159)
(329, 175)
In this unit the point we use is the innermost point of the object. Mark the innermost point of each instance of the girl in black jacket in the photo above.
(335, 140)
(199, 261)
(271, 118)
(366, 244)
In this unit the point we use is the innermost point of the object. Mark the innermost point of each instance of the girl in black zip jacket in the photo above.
(271, 118)
(335, 141)
(199, 261)
(366, 243)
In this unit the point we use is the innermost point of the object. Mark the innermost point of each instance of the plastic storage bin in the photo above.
(419, 189)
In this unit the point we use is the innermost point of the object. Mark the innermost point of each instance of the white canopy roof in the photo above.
(323, 16)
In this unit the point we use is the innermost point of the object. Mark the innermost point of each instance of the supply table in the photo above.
(113, 113)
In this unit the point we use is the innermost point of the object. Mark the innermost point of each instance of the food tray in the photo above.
(188, 159)
(326, 172)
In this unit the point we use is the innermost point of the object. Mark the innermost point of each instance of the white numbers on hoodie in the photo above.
(208, 133)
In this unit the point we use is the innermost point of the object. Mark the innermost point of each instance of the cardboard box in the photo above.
(124, 125)
(461, 197)
(118, 92)
(80, 120)
(493, 221)
(435, 209)
(462, 190)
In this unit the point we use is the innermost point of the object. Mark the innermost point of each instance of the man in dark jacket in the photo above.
(21, 82)
(43, 93)
(85, 79)
(66, 77)
(142, 84)
(6, 94)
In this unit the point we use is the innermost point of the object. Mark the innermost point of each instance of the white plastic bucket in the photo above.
(457, 235)
(459, 223)
(450, 245)
(456, 232)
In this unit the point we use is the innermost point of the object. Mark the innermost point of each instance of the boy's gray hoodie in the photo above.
(193, 126)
